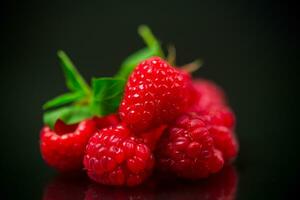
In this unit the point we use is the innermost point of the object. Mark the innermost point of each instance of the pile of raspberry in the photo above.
(166, 121)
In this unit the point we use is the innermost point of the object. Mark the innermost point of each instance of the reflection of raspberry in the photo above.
(188, 150)
(113, 157)
(156, 93)
(223, 186)
(63, 147)
(220, 186)
(71, 186)
(96, 192)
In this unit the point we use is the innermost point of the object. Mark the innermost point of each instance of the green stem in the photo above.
(148, 37)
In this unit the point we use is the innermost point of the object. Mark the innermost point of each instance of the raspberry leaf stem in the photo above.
(106, 96)
(151, 41)
(171, 58)
(193, 66)
(153, 49)
(63, 99)
(75, 82)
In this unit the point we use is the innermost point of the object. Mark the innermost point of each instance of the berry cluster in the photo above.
(151, 115)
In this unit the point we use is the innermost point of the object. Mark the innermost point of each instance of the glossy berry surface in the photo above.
(156, 93)
(219, 115)
(114, 157)
(63, 147)
(188, 150)
(106, 121)
(225, 141)
(211, 102)
(152, 136)
(208, 94)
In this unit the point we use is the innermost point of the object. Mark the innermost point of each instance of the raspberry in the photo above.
(220, 123)
(208, 94)
(225, 141)
(106, 121)
(63, 147)
(219, 115)
(188, 150)
(114, 157)
(156, 93)
(151, 137)
(211, 102)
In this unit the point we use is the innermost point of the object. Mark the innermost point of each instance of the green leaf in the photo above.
(74, 80)
(153, 49)
(107, 94)
(69, 114)
(63, 99)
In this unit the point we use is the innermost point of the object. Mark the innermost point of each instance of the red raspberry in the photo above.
(208, 94)
(152, 136)
(225, 141)
(220, 123)
(156, 93)
(63, 147)
(114, 157)
(106, 121)
(211, 102)
(219, 115)
(188, 150)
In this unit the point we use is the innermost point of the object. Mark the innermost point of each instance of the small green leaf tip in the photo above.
(64, 99)
(74, 80)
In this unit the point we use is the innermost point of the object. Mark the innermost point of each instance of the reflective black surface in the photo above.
(77, 186)
(249, 47)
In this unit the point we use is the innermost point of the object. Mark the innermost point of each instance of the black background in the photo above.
(249, 47)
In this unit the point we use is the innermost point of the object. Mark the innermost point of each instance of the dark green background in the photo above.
(249, 47)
